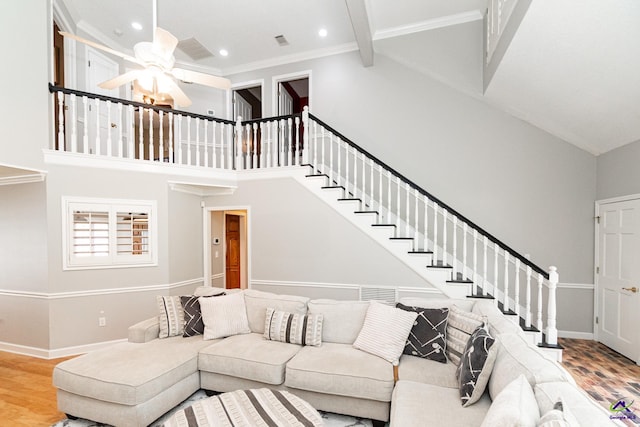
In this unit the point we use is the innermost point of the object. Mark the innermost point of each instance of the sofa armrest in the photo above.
(144, 331)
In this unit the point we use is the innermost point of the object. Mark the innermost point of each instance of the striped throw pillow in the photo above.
(385, 331)
(170, 317)
(304, 329)
(460, 326)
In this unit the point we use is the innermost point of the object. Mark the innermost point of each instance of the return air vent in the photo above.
(386, 295)
(281, 40)
(194, 49)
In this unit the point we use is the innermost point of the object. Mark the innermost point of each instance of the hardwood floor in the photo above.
(28, 399)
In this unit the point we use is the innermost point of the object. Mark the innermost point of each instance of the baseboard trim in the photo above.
(576, 335)
(42, 353)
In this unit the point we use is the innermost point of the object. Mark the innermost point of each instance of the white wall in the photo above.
(25, 32)
(297, 238)
(618, 172)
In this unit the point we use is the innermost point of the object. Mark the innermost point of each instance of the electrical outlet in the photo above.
(102, 321)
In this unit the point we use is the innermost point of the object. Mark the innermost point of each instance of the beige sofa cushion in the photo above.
(343, 320)
(427, 371)
(130, 373)
(498, 322)
(257, 303)
(341, 370)
(417, 405)
(516, 356)
(248, 356)
(515, 406)
(586, 411)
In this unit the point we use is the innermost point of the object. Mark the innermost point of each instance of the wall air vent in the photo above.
(194, 49)
(385, 295)
(281, 40)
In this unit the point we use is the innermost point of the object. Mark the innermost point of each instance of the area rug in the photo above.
(330, 420)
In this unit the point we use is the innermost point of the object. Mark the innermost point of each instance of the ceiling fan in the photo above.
(156, 81)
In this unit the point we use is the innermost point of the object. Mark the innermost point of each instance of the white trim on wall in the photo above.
(79, 294)
(576, 335)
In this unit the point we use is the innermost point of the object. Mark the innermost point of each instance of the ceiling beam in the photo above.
(360, 23)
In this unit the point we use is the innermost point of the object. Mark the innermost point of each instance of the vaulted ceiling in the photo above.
(571, 67)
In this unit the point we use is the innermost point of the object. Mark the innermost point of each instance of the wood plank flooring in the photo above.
(28, 399)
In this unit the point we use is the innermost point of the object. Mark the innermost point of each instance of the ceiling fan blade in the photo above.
(164, 42)
(120, 80)
(201, 78)
(180, 98)
(101, 47)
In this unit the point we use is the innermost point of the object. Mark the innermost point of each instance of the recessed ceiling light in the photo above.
(223, 52)
(136, 26)
(323, 32)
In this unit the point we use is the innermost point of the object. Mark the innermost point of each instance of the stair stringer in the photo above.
(381, 235)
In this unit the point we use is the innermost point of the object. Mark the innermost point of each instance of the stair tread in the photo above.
(349, 199)
(313, 175)
(421, 252)
(439, 264)
(480, 296)
(400, 238)
(545, 345)
(365, 212)
(460, 281)
(326, 187)
(383, 225)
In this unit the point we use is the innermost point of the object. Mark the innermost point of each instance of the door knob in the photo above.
(634, 289)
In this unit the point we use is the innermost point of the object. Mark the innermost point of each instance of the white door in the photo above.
(99, 69)
(618, 277)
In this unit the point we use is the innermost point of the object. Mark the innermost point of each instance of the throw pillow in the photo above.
(460, 326)
(193, 324)
(427, 338)
(476, 365)
(515, 405)
(559, 416)
(293, 328)
(224, 316)
(385, 331)
(170, 316)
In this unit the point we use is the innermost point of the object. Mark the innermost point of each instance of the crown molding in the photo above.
(22, 179)
(431, 24)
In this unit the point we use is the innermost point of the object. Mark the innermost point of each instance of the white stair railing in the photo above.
(141, 132)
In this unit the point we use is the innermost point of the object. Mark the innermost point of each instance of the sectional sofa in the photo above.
(337, 369)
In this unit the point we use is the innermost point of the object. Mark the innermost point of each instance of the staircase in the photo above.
(454, 255)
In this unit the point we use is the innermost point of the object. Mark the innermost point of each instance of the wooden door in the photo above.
(618, 277)
(232, 260)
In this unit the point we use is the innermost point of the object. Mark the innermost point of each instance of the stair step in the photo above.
(401, 238)
(439, 264)
(366, 212)
(459, 279)
(349, 199)
(527, 328)
(383, 225)
(316, 175)
(479, 295)
(507, 312)
(330, 187)
(420, 252)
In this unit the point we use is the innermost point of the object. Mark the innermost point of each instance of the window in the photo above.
(102, 233)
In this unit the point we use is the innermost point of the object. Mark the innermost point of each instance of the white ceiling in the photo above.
(572, 69)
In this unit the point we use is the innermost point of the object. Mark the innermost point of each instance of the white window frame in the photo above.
(113, 207)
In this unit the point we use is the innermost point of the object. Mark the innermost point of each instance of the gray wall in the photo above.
(295, 237)
(619, 172)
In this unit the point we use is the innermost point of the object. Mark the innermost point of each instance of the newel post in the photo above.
(305, 135)
(237, 154)
(552, 331)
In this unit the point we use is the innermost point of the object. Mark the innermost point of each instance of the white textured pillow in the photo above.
(516, 405)
(224, 316)
(385, 331)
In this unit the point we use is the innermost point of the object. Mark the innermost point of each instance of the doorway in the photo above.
(58, 72)
(617, 278)
(227, 248)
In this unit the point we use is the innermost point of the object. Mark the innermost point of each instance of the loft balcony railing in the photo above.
(115, 128)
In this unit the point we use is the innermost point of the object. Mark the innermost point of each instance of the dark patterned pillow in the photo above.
(475, 365)
(193, 324)
(428, 337)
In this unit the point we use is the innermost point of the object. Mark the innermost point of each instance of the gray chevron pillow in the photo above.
(428, 337)
(193, 324)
